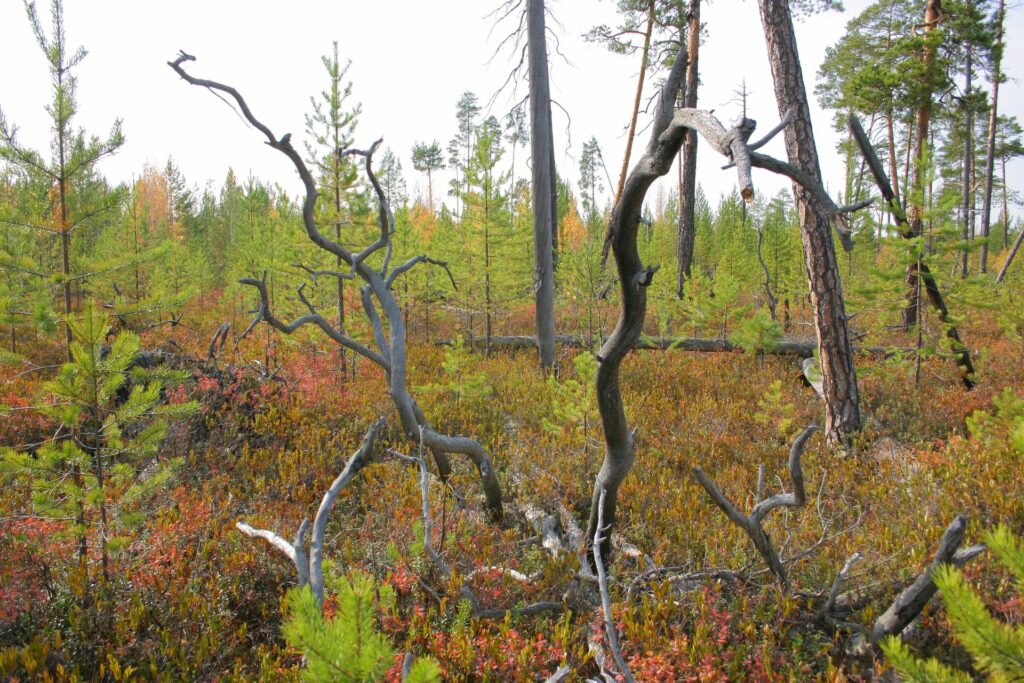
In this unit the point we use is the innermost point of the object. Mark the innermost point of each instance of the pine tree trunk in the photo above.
(915, 206)
(688, 158)
(965, 197)
(990, 158)
(543, 180)
(839, 378)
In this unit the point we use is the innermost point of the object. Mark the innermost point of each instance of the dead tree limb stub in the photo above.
(751, 524)
(465, 592)
(309, 568)
(912, 599)
(867, 150)
(390, 354)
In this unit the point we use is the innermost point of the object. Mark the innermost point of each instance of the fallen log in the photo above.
(803, 349)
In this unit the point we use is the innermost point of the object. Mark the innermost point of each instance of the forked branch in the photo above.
(310, 571)
(751, 524)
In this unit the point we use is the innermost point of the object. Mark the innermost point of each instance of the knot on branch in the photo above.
(645, 277)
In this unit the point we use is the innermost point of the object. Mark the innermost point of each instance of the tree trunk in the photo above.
(839, 378)
(634, 278)
(990, 157)
(965, 195)
(688, 159)
(543, 180)
(915, 206)
(1009, 257)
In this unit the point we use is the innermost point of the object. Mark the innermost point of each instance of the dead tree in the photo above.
(751, 524)
(390, 341)
(910, 602)
(542, 149)
(961, 353)
(667, 132)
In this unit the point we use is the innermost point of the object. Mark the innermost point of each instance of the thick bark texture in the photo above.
(842, 408)
(542, 153)
(688, 159)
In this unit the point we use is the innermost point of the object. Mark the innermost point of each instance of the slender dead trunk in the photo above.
(1009, 257)
(931, 287)
(891, 142)
(688, 157)
(990, 157)
(543, 182)
(636, 100)
(839, 378)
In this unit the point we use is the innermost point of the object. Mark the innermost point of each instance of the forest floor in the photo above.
(197, 600)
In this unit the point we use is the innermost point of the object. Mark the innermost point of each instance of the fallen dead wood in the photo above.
(803, 349)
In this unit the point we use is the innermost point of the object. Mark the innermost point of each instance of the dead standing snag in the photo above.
(390, 354)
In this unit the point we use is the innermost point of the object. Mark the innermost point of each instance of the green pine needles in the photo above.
(346, 648)
(104, 462)
(996, 648)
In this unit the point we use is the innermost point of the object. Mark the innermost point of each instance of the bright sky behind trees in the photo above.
(410, 62)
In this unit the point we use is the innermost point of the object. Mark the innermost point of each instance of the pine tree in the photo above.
(347, 648)
(427, 159)
(105, 462)
(331, 127)
(74, 156)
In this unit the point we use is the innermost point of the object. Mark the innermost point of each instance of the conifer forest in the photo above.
(516, 401)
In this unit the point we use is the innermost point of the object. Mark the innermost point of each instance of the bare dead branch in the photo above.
(309, 571)
(264, 313)
(752, 524)
(413, 262)
(393, 344)
(606, 602)
(220, 337)
(357, 462)
(909, 603)
(833, 594)
(465, 592)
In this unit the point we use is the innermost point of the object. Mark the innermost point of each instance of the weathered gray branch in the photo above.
(266, 315)
(909, 603)
(465, 592)
(606, 601)
(392, 355)
(751, 524)
(309, 571)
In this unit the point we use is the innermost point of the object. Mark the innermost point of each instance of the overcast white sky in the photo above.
(411, 60)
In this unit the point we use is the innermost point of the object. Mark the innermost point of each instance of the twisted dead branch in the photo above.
(390, 354)
(751, 524)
